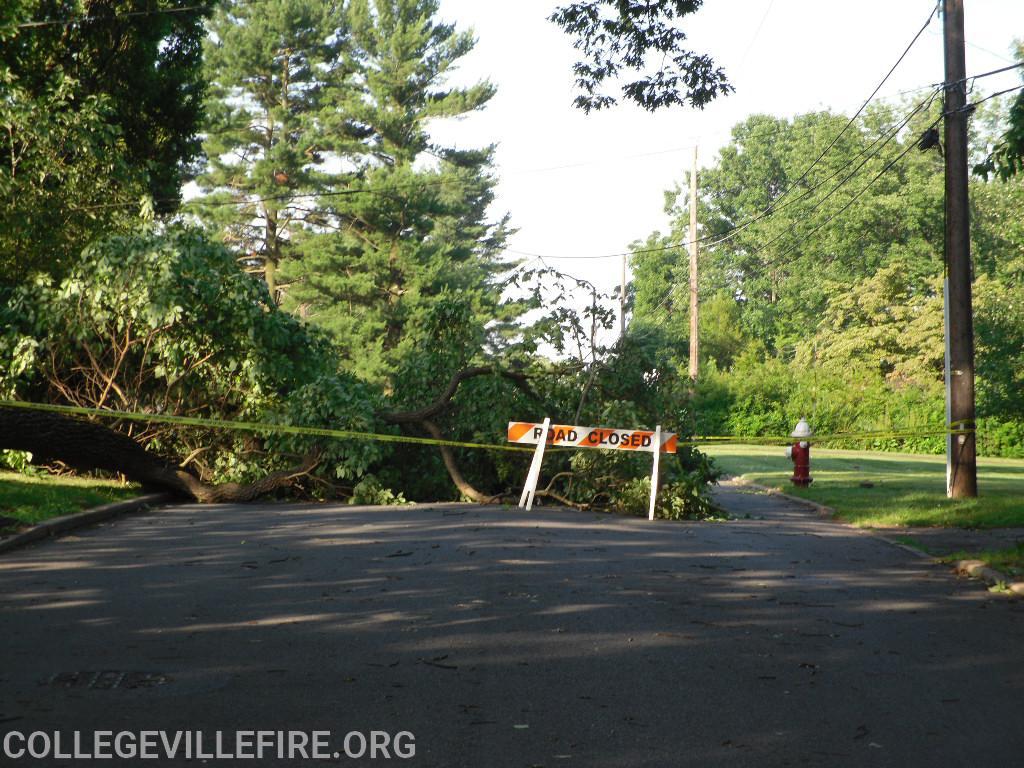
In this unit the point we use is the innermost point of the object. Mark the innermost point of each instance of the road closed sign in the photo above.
(591, 437)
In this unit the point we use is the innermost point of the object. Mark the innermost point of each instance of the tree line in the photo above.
(821, 280)
(338, 267)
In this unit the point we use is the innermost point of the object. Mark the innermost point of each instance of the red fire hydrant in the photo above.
(800, 453)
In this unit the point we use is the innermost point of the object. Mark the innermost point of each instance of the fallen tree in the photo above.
(165, 323)
(88, 446)
(423, 418)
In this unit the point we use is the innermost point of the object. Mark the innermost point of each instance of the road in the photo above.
(503, 638)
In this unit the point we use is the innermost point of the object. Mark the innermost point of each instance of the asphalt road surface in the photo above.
(502, 638)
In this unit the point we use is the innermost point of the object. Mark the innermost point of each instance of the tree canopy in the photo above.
(1006, 157)
(410, 239)
(102, 104)
(821, 278)
(274, 69)
(617, 37)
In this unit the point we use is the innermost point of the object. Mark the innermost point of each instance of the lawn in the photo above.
(873, 489)
(29, 499)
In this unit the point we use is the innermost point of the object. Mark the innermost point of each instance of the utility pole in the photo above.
(694, 324)
(963, 475)
(622, 301)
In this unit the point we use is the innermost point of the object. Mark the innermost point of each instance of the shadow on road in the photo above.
(501, 638)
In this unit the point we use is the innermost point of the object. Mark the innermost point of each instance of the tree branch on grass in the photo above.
(85, 445)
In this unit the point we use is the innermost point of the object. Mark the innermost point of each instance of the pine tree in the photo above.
(411, 233)
(275, 69)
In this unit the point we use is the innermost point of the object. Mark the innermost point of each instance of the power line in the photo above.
(292, 196)
(774, 130)
(710, 240)
(865, 104)
(107, 17)
(1018, 65)
(976, 47)
(776, 204)
(775, 208)
(910, 145)
(970, 107)
(483, 186)
(895, 132)
(757, 32)
(603, 160)
(288, 196)
(805, 236)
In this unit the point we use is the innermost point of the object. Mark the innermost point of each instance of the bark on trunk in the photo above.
(85, 445)
(424, 415)
(412, 417)
(448, 457)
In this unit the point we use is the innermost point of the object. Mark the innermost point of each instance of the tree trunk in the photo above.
(448, 457)
(428, 412)
(85, 445)
(424, 415)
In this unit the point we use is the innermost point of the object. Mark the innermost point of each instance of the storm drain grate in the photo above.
(107, 680)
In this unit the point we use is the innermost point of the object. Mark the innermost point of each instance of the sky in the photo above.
(581, 185)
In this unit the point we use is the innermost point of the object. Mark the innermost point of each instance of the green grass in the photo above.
(907, 489)
(30, 499)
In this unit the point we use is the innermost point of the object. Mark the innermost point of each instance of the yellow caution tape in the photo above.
(347, 434)
(247, 426)
(879, 435)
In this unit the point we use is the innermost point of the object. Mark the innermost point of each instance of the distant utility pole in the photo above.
(694, 319)
(962, 476)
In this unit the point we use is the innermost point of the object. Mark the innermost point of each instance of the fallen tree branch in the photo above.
(86, 445)
(428, 412)
(448, 457)
(548, 493)
(561, 499)
(235, 492)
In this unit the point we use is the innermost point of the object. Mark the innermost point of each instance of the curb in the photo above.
(821, 509)
(58, 526)
(976, 569)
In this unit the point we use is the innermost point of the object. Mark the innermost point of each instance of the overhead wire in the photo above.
(991, 72)
(711, 240)
(910, 146)
(827, 220)
(101, 17)
(415, 185)
(708, 240)
(249, 200)
(757, 32)
(777, 202)
(973, 104)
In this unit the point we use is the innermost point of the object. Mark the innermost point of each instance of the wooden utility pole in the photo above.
(694, 319)
(963, 474)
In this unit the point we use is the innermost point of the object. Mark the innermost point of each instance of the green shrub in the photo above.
(766, 397)
(165, 322)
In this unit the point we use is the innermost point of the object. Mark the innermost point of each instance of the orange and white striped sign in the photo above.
(591, 437)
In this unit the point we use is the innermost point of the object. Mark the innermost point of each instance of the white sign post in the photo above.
(526, 500)
(604, 438)
(654, 473)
